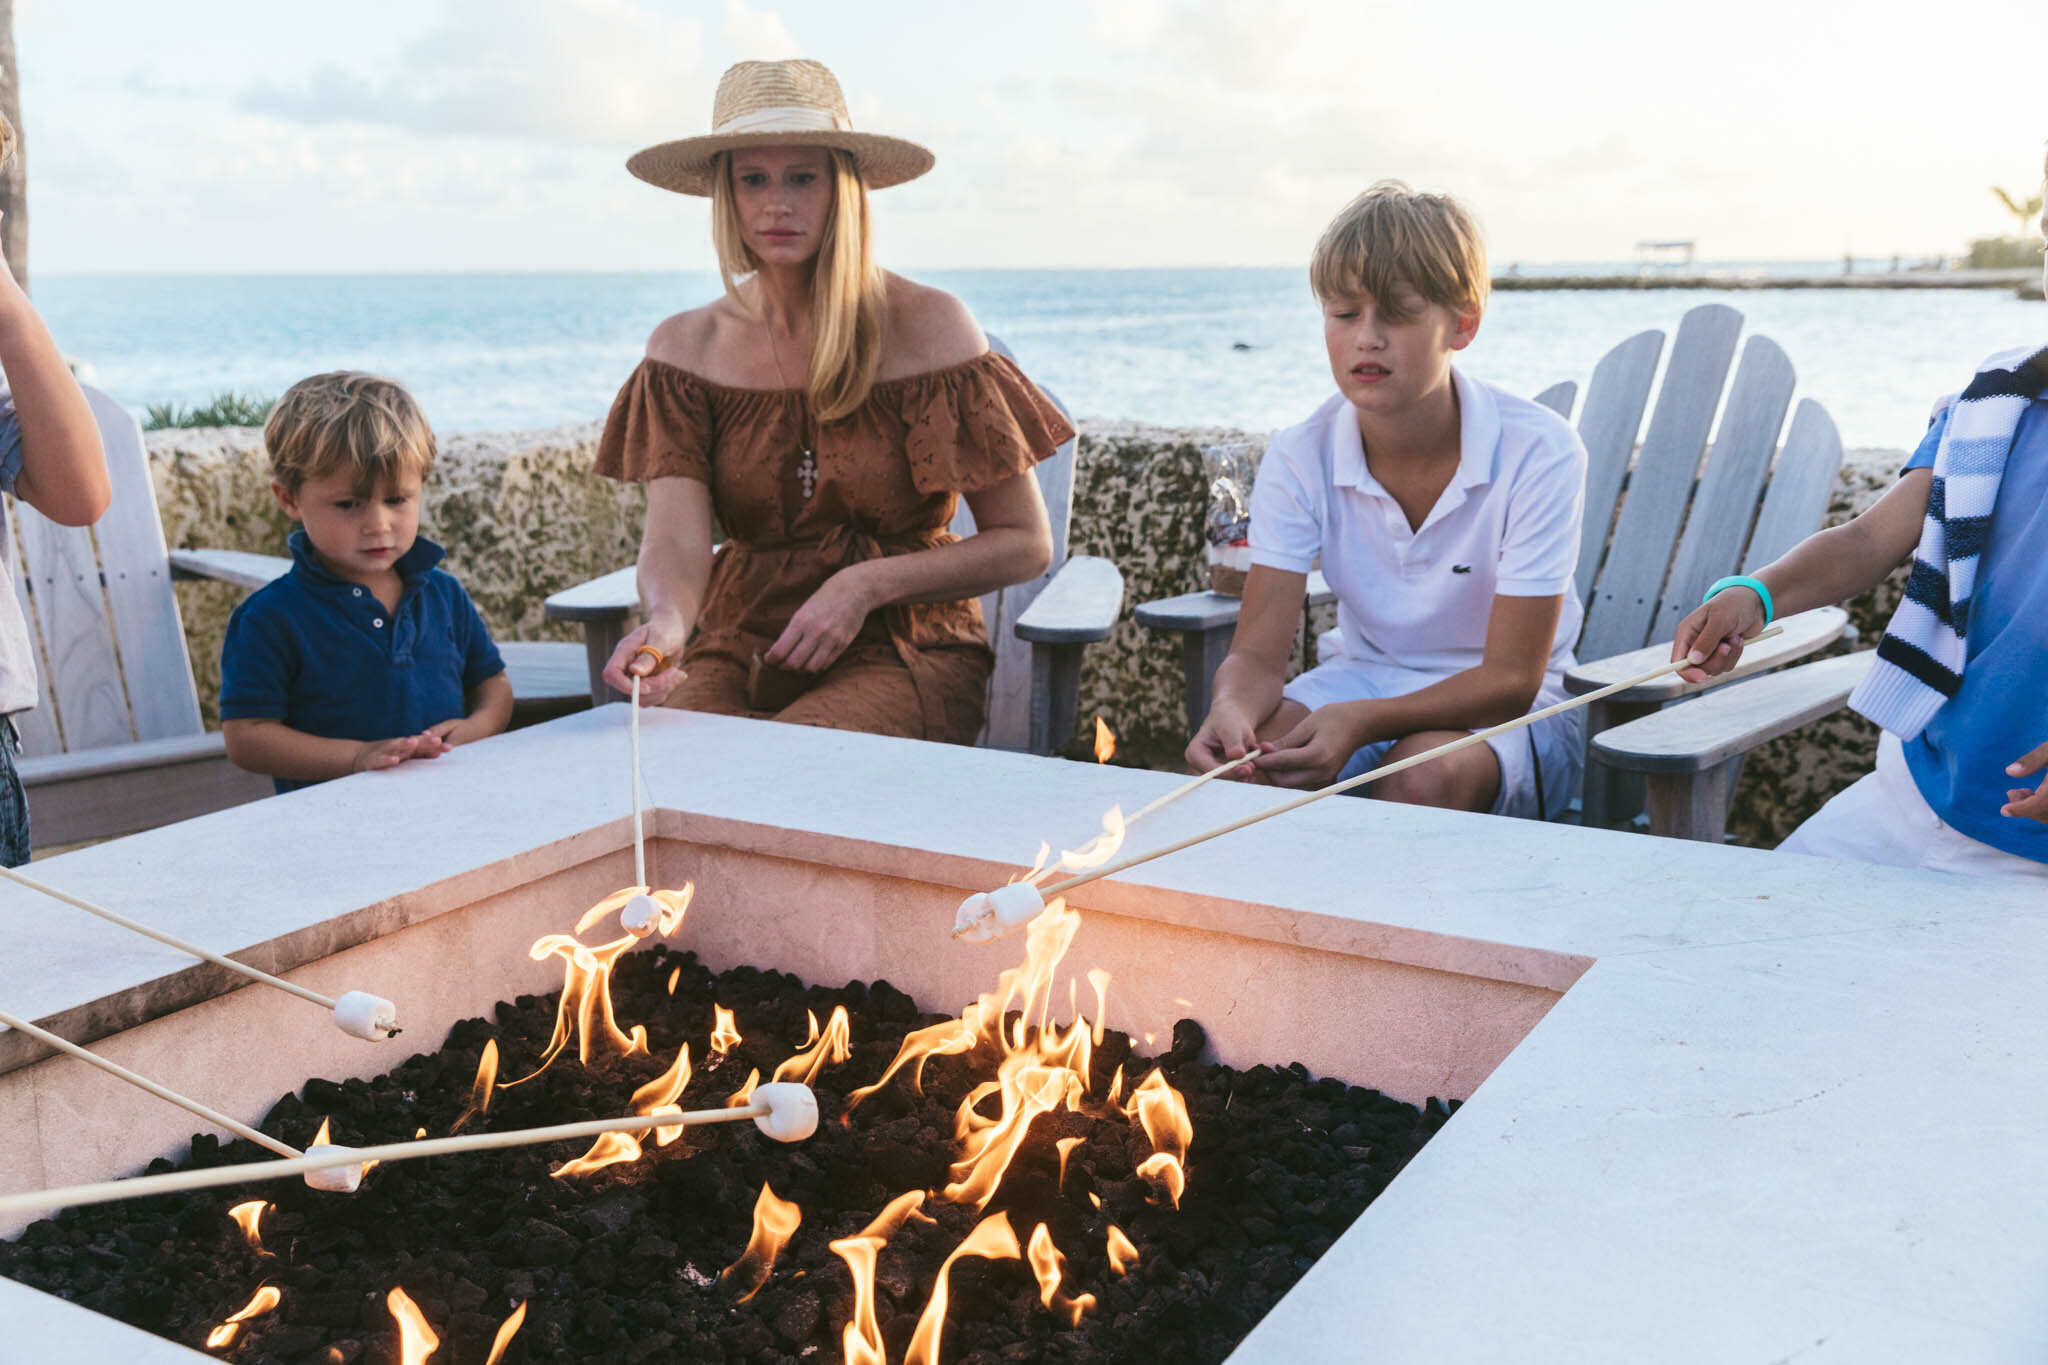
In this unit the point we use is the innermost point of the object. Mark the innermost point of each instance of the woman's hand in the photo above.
(1712, 636)
(1315, 751)
(824, 625)
(1226, 733)
(665, 634)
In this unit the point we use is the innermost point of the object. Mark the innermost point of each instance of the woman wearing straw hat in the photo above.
(828, 415)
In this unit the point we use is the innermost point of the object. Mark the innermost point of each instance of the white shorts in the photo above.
(1555, 747)
(1882, 818)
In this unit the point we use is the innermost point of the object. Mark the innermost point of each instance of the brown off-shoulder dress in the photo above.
(886, 480)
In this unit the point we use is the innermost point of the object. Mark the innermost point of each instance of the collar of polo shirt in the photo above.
(1478, 442)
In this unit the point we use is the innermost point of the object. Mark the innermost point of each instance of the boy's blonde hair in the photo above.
(846, 286)
(346, 419)
(1392, 235)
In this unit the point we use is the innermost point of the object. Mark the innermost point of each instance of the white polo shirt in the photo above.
(1507, 524)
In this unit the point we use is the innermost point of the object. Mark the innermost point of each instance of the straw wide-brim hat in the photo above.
(769, 104)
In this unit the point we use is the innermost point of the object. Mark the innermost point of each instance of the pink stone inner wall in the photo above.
(1409, 1031)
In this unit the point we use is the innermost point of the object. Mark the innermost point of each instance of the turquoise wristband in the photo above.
(1743, 580)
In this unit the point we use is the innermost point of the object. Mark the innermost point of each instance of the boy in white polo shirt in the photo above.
(1445, 513)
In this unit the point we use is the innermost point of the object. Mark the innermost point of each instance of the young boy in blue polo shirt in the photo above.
(1960, 682)
(1445, 514)
(365, 655)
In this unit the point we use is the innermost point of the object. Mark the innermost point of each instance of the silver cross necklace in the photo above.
(807, 466)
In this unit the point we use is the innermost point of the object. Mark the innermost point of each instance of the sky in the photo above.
(436, 135)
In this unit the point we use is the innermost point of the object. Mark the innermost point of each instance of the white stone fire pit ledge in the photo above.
(1786, 1110)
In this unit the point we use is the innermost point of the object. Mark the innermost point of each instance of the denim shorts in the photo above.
(13, 800)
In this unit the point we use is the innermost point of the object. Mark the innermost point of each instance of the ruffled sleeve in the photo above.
(660, 425)
(974, 425)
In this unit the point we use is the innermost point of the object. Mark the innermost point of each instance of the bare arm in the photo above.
(674, 567)
(275, 749)
(489, 711)
(63, 470)
(1011, 543)
(1828, 566)
(1249, 679)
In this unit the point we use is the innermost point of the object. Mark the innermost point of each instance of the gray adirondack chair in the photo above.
(115, 742)
(1037, 629)
(1663, 521)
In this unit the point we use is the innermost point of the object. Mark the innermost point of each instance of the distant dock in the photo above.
(2025, 281)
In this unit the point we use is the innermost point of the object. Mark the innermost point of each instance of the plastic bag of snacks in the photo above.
(1229, 550)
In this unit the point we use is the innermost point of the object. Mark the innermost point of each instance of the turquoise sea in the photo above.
(488, 352)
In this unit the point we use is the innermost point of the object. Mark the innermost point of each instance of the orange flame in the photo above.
(1048, 1265)
(481, 1089)
(224, 1335)
(775, 1221)
(1094, 853)
(832, 1046)
(1122, 1255)
(862, 1339)
(1105, 742)
(322, 1138)
(1065, 1146)
(1043, 1065)
(416, 1340)
(673, 977)
(674, 904)
(248, 1216)
(1158, 1107)
(610, 1149)
(993, 1239)
(507, 1330)
(1099, 979)
(586, 998)
(738, 1098)
(725, 1034)
(662, 1093)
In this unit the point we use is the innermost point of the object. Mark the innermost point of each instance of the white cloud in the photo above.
(604, 72)
(756, 35)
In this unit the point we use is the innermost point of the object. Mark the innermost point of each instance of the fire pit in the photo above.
(1406, 951)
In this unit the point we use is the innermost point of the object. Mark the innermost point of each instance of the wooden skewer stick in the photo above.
(639, 839)
(1476, 737)
(138, 1187)
(1176, 794)
(115, 1069)
(1184, 788)
(135, 926)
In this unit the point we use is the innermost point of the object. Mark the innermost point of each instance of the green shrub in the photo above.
(226, 410)
(2003, 253)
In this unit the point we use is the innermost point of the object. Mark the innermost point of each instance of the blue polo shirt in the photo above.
(2001, 710)
(322, 655)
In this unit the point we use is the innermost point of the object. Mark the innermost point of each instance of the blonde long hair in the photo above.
(847, 313)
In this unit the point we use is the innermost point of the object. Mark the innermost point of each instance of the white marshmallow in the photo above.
(369, 1017)
(988, 915)
(334, 1179)
(641, 915)
(792, 1111)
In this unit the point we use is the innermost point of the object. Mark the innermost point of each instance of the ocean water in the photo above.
(1224, 347)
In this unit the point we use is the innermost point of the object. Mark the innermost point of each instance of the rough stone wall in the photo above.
(522, 516)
